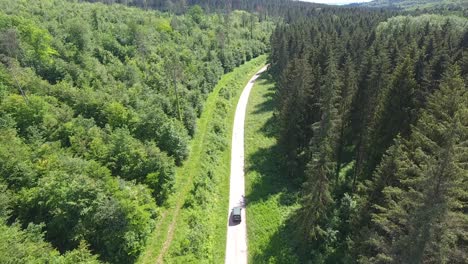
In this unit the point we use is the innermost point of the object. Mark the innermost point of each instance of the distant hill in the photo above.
(413, 4)
(263, 7)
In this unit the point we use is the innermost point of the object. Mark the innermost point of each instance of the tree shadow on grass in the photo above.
(270, 129)
(269, 104)
(267, 161)
(271, 177)
(272, 180)
(283, 246)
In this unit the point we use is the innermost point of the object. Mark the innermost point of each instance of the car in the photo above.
(236, 214)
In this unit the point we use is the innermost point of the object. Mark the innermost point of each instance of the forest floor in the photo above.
(159, 243)
(271, 199)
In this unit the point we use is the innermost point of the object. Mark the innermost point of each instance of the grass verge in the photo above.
(192, 227)
(271, 199)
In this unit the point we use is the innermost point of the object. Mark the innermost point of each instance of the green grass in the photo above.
(174, 234)
(224, 167)
(271, 199)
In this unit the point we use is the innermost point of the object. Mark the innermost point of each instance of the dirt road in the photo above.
(236, 243)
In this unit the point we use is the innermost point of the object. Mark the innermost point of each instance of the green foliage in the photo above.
(28, 246)
(416, 4)
(6, 201)
(396, 24)
(15, 161)
(116, 115)
(200, 199)
(196, 13)
(271, 198)
(96, 111)
(422, 204)
(25, 111)
(35, 42)
(380, 94)
(317, 199)
(174, 140)
(78, 200)
(130, 159)
(78, 34)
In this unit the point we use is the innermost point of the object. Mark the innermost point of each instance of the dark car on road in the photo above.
(236, 214)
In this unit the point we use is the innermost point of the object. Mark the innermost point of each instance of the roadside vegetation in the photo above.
(200, 236)
(271, 198)
(198, 205)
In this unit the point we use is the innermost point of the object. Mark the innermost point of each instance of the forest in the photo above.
(373, 114)
(97, 106)
(263, 8)
(417, 4)
(100, 99)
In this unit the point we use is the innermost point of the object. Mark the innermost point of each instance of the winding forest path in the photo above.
(236, 241)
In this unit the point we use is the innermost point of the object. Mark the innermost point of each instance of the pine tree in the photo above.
(395, 115)
(374, 80)
(320, 170)
(291, 112)
(422, 218)
(348, 89)
(371, 200)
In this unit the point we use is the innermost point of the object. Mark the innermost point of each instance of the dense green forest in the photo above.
(262, 7)
(99, 102)
(417, 4)
(373, 114)
(97, 106)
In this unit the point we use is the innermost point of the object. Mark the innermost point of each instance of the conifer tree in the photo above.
(376, 208)
(396, 114)
(422, 218)
(320, 169)
(291, 97)
(374, 80)
(348, 89)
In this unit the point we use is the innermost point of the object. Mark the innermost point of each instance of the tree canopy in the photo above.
(98, 104)
(372, 113)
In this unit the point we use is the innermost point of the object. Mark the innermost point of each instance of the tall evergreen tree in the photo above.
(422, 218)
(317, 198)
(396, 114)
(348, 89)
(373, 82)
(291, 103)
(386, 71)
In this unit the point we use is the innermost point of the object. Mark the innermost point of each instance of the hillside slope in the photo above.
(413, 4)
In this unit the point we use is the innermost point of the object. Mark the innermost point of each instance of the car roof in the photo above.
(236, 210)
